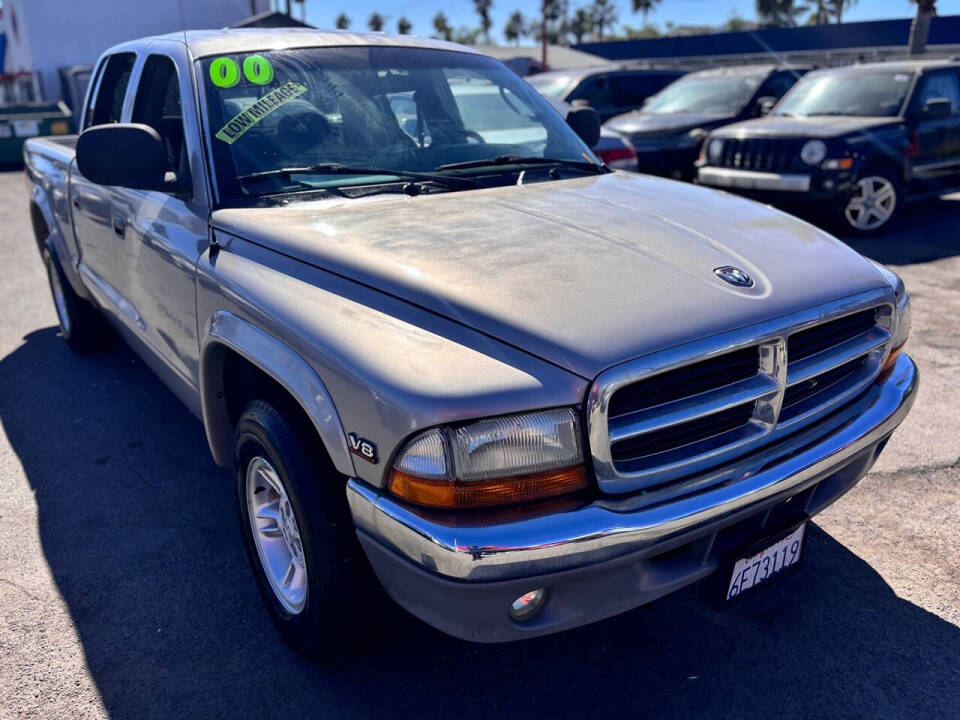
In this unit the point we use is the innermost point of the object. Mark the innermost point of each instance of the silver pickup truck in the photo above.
(442, 346)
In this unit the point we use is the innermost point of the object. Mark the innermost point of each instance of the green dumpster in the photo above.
(19, 121)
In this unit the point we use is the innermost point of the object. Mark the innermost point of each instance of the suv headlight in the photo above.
(902, 317)
(715, 150)
(501, 460)
(813, 152)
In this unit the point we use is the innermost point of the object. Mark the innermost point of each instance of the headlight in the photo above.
(491, 462)
(902, 317)
(715, 150)
(813, 152)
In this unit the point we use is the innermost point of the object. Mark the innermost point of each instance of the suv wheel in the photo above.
(81, 325)
(299, 537)
(874, 202)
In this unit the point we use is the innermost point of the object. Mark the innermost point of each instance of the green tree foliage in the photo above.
(343, 22)
(645, 7)
(516, 27)
(603, 14)
(441, 27)
(482, 8)
(779, 13)
(404, 26)
(376, 22)
(581, 25)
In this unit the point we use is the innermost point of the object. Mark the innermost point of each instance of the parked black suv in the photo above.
(609, 89)
(668, 131)
(857, 142)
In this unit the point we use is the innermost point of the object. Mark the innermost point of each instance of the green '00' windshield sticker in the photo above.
(243, 121)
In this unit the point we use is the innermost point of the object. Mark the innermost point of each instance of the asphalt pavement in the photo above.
(125, 593)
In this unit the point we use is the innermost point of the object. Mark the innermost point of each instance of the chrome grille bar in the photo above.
(844, 365)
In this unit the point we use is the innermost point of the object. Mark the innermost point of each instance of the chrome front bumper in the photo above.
(610, 527)
(752, 180)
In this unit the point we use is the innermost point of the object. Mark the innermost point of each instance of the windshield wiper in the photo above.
(520, 160)
(337, 169)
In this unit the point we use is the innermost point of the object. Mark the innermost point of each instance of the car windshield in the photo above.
(868, 94)
(711, 94)
(274, 115)
(554, 85)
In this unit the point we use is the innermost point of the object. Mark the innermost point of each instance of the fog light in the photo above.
(528, 605)
(828, 184)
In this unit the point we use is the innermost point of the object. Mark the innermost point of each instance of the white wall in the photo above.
(57, 33)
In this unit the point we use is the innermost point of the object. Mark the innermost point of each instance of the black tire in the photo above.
(872, 176)
(342, 598)
(81, 324)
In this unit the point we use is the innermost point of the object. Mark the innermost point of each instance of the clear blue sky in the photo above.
(322, 13)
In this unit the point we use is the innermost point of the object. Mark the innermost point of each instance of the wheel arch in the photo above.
(239, 359)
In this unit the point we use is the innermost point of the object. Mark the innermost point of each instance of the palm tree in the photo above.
(920, 27)
(376, 22)
(645, 6)
(603, 14)
(779, 13)
(838, 7)
(821, 13)
(442, 27)
(483, 8)
(343, 22)
(516, 27)
(581, 24)
(404, 26)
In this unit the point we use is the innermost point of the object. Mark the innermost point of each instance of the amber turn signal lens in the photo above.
(892, 358)
(484, 493)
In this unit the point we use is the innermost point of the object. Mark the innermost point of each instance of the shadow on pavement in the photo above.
(140, 532)
(924, 232)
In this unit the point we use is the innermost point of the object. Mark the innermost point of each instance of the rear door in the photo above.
(164, 233)
(935, 156)
(631, 89)
(93, 218)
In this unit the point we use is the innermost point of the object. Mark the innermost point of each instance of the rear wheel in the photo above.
(81, 325)
(875, 201)
(299, 536)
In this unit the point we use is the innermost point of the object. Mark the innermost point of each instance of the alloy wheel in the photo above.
(872, 204)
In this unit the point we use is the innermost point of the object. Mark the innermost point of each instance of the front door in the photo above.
(935, 151)
(164, 233)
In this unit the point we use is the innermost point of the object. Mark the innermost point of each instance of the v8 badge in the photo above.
(362, 448)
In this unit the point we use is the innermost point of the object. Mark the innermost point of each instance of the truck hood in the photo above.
(812, 127)
(640, 123)
(585, 273)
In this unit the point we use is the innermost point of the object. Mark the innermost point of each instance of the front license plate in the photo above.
(768, 563)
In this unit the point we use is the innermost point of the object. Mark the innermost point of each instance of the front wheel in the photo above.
(874, 203)
(299, 536)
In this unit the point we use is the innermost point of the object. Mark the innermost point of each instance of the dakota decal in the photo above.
(245, 120)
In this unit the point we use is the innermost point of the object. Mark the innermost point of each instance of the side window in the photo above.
(777, 85)
(108, 103)
(631, 89)
(597, 91)
(157, 104)
(939, 85)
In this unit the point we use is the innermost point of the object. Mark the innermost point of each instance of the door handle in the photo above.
(119, 225)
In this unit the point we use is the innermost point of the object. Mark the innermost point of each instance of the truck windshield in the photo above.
(273, 115)
(866, 94)
(713, 94)
(554, 85)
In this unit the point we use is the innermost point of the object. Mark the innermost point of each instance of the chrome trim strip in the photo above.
(834, 357)
(691, 407)
(771, 337)
(608, 528)
(753, 180)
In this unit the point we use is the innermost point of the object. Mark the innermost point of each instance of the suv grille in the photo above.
(761, 154)
(690, 414)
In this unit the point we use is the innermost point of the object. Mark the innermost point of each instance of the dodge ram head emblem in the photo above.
(733, 275)
(363, 448)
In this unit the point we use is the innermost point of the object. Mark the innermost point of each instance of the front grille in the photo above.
(663, 425)
(761, 154)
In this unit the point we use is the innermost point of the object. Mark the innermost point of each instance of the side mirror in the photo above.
(585, 122)
(937, 108)
(126, 155)
(765, 105)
